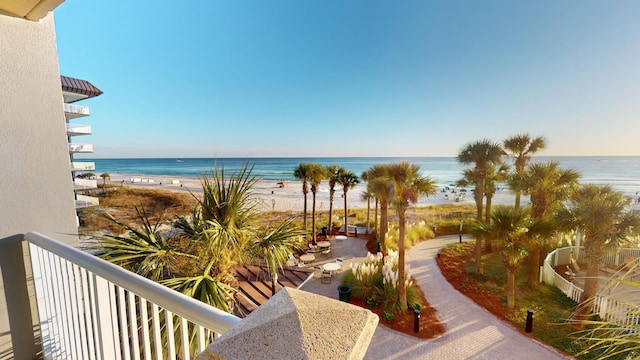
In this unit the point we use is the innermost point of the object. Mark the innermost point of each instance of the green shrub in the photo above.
(388, 316)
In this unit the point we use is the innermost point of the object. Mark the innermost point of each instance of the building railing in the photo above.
(77, 129)
(92, 309)
(73, 111)
(83, 201)
(81, 148)
(607, 307)
(83, 166)
(84, 184)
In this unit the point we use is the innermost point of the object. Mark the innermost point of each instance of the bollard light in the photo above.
(529, 325)
(416, 320)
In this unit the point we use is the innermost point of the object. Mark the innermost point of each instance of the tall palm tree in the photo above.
(332, 170)
(316, 174)
(379, 185)
(367, 196)
(302, 173)
(273, 247)
(481, 154)
(547, 185)
(521, 147)
(510, 225)
(408, 185)
(604, 217)
(494, 176)
(348, 180)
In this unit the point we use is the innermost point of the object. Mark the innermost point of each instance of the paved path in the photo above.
(471, 331)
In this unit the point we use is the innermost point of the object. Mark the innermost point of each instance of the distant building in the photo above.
(74, 90)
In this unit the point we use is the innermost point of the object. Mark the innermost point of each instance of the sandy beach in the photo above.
(289, 197)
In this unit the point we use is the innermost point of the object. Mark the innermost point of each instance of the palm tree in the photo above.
(494, 176)
(547, 185)
(302, 173)
(379, 185)
(332, 170)
(521, 147)
(408, 185)
(199, 254)
(316, 174)
(366, 195)
(604, 217)
(511, 225)
(482, 154)
(105, 177)
(274, 246)
(348, 180)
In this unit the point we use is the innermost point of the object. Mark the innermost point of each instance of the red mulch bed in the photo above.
(430, 327)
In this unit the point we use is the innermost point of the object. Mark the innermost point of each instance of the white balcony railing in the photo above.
(75, 111)
(83, 166)
(84, 184)
(77, 129)
(91, 309)
(81, 148)
(84, 201)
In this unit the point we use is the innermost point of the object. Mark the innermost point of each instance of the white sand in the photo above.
(290, 196)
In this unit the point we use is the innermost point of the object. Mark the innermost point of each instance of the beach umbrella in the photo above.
(295, 324)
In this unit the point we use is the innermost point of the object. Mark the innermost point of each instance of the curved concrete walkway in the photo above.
(471, 331)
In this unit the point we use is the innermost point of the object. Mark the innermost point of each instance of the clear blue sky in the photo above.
(353, 78)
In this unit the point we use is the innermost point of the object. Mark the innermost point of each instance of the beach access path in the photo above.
(472, 332)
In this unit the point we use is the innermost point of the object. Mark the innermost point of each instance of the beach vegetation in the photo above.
(379, 185)
(332, 172)
(511, 227)
(481, 154)
(316, 173)
(302, 173)
(197, 254)
(348, 180)
(408, 185)
(520, 147)
(547, 186)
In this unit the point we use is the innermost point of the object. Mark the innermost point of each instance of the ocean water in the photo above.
(622, 173)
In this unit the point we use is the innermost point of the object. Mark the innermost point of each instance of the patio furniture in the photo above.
(331, 267)
(339, 262)
(326, 277)
(305, 258)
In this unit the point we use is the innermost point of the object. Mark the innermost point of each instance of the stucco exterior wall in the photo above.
(36, 192)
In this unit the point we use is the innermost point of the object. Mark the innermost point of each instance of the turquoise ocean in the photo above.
(622, 173)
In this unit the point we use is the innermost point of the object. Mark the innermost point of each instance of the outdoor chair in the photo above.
(326, 277)
(326, 252)
(339, 262)
(317, 273)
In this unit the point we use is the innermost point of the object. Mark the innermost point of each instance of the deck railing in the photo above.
(607, 307)
(91, 309)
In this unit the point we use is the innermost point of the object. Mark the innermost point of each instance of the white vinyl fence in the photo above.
(607, 308)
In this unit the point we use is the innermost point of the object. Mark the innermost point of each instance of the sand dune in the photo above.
(289, 196)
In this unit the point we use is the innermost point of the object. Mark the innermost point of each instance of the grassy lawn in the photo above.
(551, 307)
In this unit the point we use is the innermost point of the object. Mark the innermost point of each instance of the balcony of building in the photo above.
(83, 166)
(84, 184)
(85, 201)
(91, 309)
(88, 308)
(72, 111)
(80, 148)
(77, 129)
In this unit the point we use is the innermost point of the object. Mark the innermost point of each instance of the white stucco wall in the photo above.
(36, 192)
